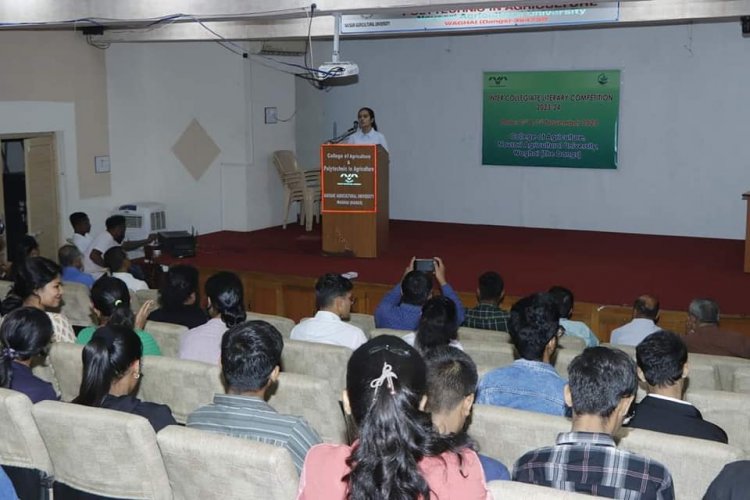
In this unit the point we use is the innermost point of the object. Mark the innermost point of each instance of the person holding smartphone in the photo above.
(401, 308)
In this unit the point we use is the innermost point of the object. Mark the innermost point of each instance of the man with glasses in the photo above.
(530, 382)
(333, 298)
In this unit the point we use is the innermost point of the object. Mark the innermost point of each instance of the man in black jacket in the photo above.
(662, 365)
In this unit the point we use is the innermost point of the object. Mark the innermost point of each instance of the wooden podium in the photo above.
(746, 197)
(354, 199)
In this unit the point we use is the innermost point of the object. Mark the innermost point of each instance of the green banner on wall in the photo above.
(551, 118)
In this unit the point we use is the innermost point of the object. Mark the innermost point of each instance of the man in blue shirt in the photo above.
(401, 308)
(531, 382)
(71, 261)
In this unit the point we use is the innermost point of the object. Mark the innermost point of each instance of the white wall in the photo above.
(154, 92)
(683, 114)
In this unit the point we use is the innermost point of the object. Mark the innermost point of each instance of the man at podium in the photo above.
(367, 133)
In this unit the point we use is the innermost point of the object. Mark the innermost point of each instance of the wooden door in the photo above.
(41, 193)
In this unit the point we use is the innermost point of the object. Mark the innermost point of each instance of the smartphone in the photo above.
(424, 265)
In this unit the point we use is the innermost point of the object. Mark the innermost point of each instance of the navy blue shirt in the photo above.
(26, 382)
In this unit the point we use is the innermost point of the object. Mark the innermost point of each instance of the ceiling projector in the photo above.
(343, 69)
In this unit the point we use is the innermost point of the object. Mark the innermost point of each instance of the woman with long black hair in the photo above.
(111, 372)
(367, 130)
(178, 298)
(25, 335)
(226, 307)
(110, 300)
(37, 284)
(398, 454)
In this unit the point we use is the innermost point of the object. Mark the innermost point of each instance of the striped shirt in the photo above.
(590, 463)
(252, 418)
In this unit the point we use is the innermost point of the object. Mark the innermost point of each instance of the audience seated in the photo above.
(111, 369)
(643, 324)
(531, 382)
(81, 229)
(487, 314)
(226, 307)
(118, 264)
(565, 301)
(663, 366)
(250, 357)
(732, 483)
(333, 299)
(93, 256)
(451, 383)
(704, 336)
(401, 308)
(25, 335)
(437, 326)
(601, 389)
(71, 262)
(398, 454)
(110, 301)
(178, 298)
(37, 284)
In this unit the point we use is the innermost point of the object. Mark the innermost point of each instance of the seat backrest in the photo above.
(693, 463)
(181, 384)
(21, 444)
(728, 410)
(282, 324)
(563, 357)
(103, 452)
(572, 342)
(68, 366)
(741, 382)
(375, 332)
(489, 353)
(512, 490)
(148, 294)
(317, 360)
(507, 433)
(364, 321)
(285, 162)
(477, 334)
(204, 464)
(77, 304)
(725, 367)
(167, 335)
(315, 400)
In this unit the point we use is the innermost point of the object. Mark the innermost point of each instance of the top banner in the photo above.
(515, 16)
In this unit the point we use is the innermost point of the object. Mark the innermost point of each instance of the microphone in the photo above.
(354, 127)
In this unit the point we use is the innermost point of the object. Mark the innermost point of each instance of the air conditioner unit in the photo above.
(141, 219)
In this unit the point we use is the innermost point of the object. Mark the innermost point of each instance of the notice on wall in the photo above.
(348, 178)
(483, 18)
(551, 118)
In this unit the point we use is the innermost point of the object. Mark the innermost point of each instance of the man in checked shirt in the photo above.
(602, 384)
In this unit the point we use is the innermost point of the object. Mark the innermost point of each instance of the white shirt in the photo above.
(327, 328)
(81, 241)
(133, 283)
(103, 242)
(634, 332)
(203, 343)
(371, 137)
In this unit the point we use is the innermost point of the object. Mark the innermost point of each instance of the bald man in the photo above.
(645, 316)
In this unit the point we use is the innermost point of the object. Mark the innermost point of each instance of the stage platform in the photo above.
(601, 268)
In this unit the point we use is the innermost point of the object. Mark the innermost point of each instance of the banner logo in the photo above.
(348, 180)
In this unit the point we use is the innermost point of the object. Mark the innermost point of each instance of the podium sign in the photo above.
(353, 170)
(354, 199)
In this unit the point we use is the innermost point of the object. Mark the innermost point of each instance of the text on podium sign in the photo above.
(348, 174)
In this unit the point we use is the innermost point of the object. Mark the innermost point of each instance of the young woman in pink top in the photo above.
(398, 455)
